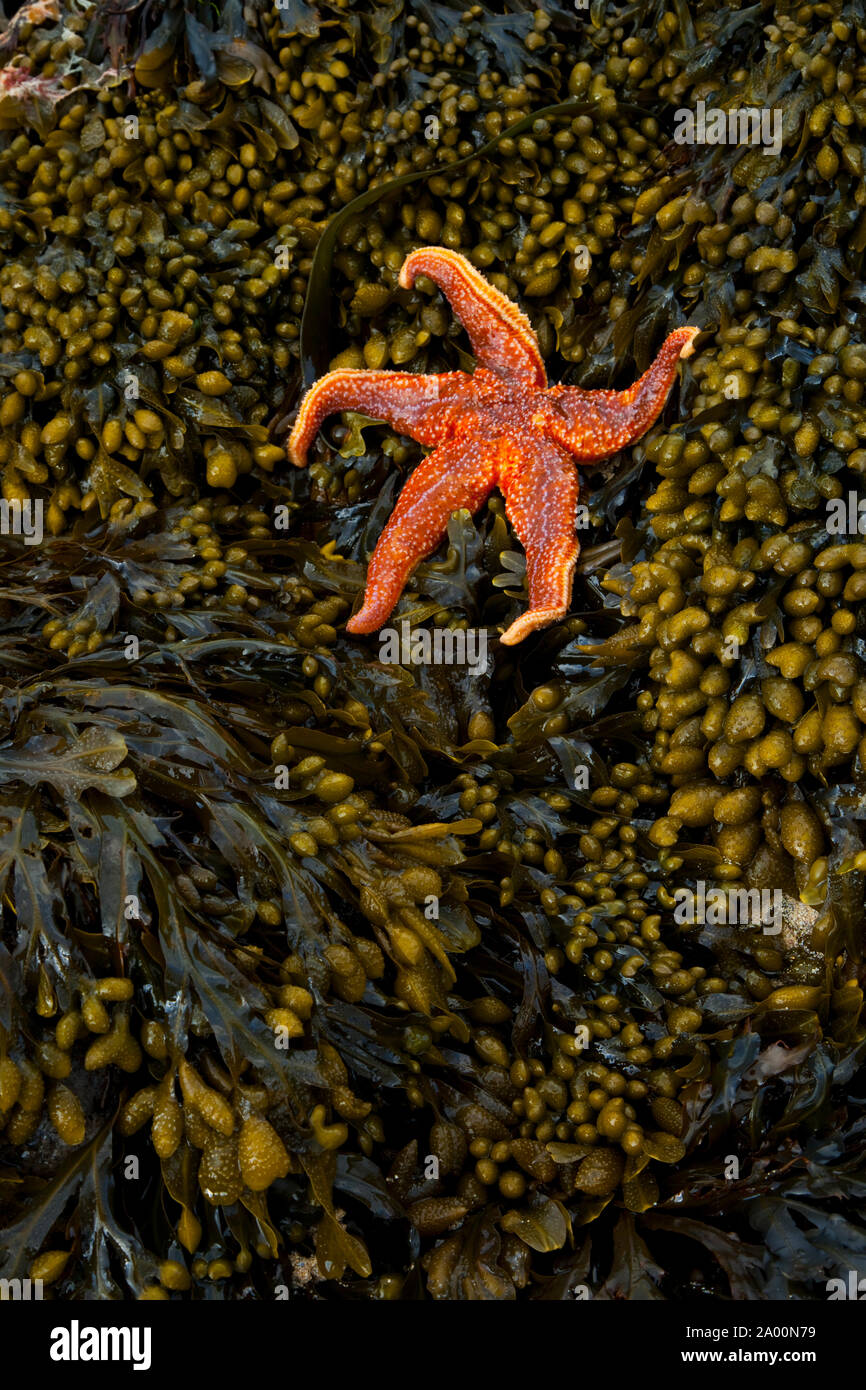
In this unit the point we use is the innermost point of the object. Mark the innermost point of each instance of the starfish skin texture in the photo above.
(500, 427)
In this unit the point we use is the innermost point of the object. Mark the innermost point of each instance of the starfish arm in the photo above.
(420, 406)
(592, 425)
(539, 483)
(458, 474)
(501, 336)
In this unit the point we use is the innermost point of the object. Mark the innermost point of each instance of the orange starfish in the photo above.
(503, 427)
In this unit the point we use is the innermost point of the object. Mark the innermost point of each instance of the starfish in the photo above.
(500, 426)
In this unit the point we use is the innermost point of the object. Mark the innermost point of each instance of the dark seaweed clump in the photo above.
(342, 979)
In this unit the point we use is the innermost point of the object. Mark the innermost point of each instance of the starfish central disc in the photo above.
(501, 427)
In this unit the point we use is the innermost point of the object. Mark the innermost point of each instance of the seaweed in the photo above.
(282, 921)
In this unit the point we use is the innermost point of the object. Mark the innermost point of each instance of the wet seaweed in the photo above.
(283, 921)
